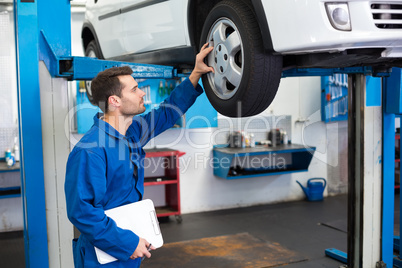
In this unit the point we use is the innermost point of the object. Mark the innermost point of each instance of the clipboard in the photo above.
(139, 217)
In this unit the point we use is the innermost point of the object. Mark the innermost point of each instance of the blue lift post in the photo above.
(393, 107)
(389, 166)
(391, 93)
(388, 162)
(392, 104)
(30, 134)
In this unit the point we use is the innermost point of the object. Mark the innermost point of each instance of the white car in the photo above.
(253, 40)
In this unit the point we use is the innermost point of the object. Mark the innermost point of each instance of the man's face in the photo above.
(132, 102)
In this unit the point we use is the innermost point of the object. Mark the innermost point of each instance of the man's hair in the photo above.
(106, 84)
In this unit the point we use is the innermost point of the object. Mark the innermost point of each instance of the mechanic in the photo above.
(105, 168)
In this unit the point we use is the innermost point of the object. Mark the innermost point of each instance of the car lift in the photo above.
(371, 156)
(44, 68)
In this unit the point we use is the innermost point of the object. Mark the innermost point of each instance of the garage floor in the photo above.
(303, 228)
(295, 226)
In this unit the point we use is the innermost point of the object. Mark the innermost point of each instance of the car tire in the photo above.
(246, 77)
(93, 51)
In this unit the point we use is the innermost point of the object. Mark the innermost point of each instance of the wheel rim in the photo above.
(227, 58)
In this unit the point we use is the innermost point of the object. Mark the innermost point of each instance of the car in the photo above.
(253, 40)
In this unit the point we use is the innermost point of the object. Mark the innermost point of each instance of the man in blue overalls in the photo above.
(105, 168)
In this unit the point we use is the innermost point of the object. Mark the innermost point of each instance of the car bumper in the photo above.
(299, 27)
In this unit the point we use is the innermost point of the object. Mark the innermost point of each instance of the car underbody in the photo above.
(183, 59)
(348, 58)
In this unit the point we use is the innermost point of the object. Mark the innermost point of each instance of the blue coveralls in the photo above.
(105, 170)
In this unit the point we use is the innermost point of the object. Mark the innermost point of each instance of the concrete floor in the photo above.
(307, 228)
(297, 226)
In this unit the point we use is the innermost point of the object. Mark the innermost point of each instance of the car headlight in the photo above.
(338, 14)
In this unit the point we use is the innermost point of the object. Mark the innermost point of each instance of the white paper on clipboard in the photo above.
(139, 217)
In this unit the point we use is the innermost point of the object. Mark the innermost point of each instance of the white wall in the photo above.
(10, 208)
(301, 98)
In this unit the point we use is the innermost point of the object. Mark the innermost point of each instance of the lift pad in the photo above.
(337, 254)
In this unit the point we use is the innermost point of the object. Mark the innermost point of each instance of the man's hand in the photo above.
(200, 66)
(142, 250)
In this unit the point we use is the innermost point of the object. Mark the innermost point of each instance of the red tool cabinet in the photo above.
(170, 179)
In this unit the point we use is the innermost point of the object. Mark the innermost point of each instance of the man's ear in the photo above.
(114, 102)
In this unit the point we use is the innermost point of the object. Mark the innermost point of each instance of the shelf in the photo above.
(170, 180)
(283, 148)
(285, 158)
(10, 192)
(159, 180)
(5, 168)
(251, 174)
(161, 152)
(166, 211)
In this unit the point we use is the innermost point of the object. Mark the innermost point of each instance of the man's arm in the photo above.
(200, 66)
(158, 120)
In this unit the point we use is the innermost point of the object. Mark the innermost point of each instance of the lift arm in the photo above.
(84, 68)
(366, 70)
